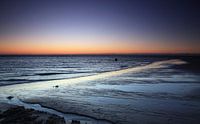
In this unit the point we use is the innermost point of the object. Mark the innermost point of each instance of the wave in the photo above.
(68, 117)
(51, 83)
(52, 73)
(34, 89)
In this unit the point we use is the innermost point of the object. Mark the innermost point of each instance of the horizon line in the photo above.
(100, 54)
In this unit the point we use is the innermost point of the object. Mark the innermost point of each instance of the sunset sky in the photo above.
(99, 26)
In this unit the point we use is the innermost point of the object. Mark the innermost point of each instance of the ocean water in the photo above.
(24, 69)
(168, 92)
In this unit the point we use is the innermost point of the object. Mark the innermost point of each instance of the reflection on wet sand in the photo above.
(106, 96)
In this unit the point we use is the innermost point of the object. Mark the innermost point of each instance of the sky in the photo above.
(99, 26)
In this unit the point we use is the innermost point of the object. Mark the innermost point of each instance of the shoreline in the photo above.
(19, 114)
(13, 104)
(58, 96)
(73, 113)
(50, 83)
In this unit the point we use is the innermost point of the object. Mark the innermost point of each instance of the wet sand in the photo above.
(12, 114)
(63, 96)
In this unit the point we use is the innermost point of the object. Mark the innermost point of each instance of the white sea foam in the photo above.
(42, 85)
(46, 89)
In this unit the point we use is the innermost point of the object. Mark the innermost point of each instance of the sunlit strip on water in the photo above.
(49, 84)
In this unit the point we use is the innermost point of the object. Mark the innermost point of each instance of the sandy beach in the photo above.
(11, 114)
(55, 99)
(99, 62)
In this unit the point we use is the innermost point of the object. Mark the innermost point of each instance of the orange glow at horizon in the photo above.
(50, 46)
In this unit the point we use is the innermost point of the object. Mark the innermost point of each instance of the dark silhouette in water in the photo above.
(116, 59)
(56, 86)
(10, 97)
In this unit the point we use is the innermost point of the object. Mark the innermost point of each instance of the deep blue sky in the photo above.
(172, 23)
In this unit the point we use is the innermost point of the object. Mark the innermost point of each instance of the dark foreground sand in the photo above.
(11, 114)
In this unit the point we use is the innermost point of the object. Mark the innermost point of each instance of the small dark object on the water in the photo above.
(75, 122)
(10, 97)
(116, 59)
(56, 86)
(123, 66)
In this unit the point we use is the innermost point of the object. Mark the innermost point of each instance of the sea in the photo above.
(167, 93)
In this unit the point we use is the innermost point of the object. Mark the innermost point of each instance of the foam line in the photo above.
(49, 84)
